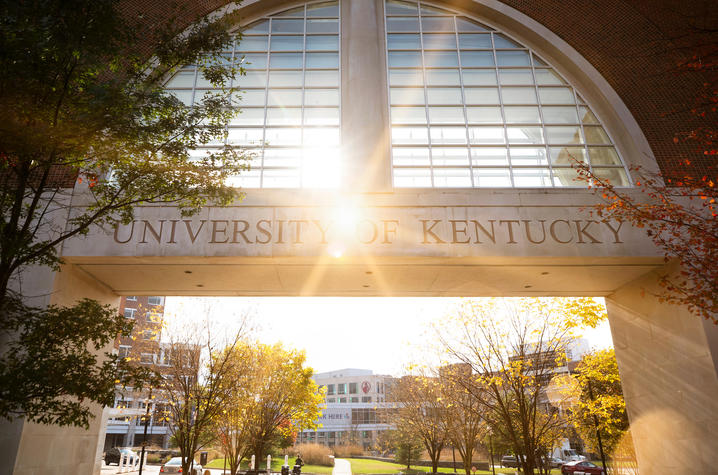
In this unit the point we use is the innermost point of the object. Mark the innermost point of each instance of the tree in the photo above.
(601, 408)
(677, 205)
(197, 384)
(506, 355)
(422, 411)
(87, 127)
(408, 445)
(283, 396)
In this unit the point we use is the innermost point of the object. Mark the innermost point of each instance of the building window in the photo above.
(131, 298)
(342, 399)
(148, 335)
(154, 317)
(155, 300)
(341, 388)
(355, 399)
(290, 98)
(331, 399)
(366, 399)
(471, 107)
(130, 312)
(124, 351)
(330, 389)
(147, 358)
(352, 388)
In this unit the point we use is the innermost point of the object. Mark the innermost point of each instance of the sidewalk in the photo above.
(342, 467)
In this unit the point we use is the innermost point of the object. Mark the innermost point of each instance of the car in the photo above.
(581, 467)
(174, 465)
(509, 461)
(554, 462)
(113, 455)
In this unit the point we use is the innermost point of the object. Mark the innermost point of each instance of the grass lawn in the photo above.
(276, 465)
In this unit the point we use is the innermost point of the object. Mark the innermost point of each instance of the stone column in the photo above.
(365, 112)
(667, 359)
(28, 448)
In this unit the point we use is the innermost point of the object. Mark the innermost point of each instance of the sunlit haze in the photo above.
(381, 334)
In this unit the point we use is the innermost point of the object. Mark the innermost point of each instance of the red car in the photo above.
(581, 467)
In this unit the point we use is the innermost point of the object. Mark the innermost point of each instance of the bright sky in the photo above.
(381, 334)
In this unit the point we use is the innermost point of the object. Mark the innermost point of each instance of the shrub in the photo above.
(315, 454)
(348, 450)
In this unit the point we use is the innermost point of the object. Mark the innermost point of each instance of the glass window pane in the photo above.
(402, 24)
(248, 179)
(293, 12)
(284, 116)
(528, 156)
(284, 97)
(394, 7)
(440, 41)
(441, 59)
(285, 60)
(248, 116)
(405, 59)
(323, 42)
(283, 136)
(407, 96)
(251, 79)
(474, 41)
(548, 77)
(408, 115)
(444, 95)
(327, 136)
(513, 58)
(568, 177)
(443, 77)
(522, 115)
(412, 177)
(244, 136)
(603, 156)
(518, 77)
(595, 134)
(477, 59)
(252, 43)
(524, 135)
(446, 115)
(253, 61)
(556, 95)
(181, 79)
(479, 77)
(321, 78)
(492, 177)
(560, 115)
(321, 116)
(518, 95)
(401, 41)
(484, 115)
(285, 79)
(322, 60)
(282, 157)
(281, 178)
(587, 117)
(406, 77)
(409, 135)
(615, 176)
(447, 135)
(426, 10)
(430, 24)
(287, 43)
(249, 98)
(486, 135)
(410, 156)
(489, 156)
(481, 95)
(184, 96)
(321, 169)
(258, 27)
(322, 26)
(567, 155)
(287, 26)
(530, 177)
(453, 156)
(452, 177)
(501, 41)
(324, 9)
(563, 135)
(464, 24)
(321, 97)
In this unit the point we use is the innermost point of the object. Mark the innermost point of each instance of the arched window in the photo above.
(289, 98)
(471, 107)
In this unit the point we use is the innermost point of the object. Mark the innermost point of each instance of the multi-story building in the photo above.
(354, 402)
(125, 426)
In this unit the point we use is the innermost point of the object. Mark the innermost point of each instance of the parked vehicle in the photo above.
(581, 467)
(555, 462)
(174, 465)
(510, 461)
(113, 455)
(567, 454)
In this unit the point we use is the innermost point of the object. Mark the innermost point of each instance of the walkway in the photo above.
(342, 467)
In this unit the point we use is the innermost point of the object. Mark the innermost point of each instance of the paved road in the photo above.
(342, 467)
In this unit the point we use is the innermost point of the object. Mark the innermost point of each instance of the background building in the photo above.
(353, 414)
